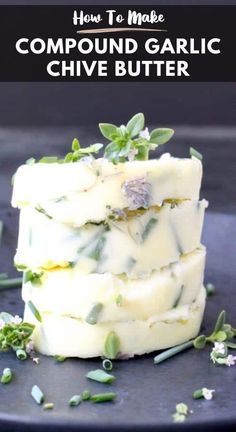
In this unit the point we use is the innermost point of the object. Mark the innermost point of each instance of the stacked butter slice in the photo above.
(111, 254)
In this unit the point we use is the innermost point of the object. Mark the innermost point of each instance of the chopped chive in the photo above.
(177, 300)
(59, 358)
(48, 406)
(210, 289)
(43, 211)
(195, 153)
(112, 345)
(75, 400)
(103, 397)
(30, 161)
(198, 394)
(6, 376)
(10, 283)
(93, 315)
(107, 364)
(148, 228)
(34, 311)
(21, 354)
(100, 376)
(37, 394)
(48, 159)
(119, 300)
(172, 351)
(86, 395)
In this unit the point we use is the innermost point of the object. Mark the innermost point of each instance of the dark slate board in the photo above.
(147, 394)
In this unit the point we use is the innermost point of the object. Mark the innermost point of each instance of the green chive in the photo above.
(195, 153)
(9, 283)
(37, 394)
(6, 376)
(103, 397)
(220, 321)
(86, 395)
(107, 364)
(100, 376)
(197, 394)
(200, 342)
(59, 358)
(21, 354)
(43, 211)
(48, 159)
(112, 345)
(172, 351)
(210, 289)
(148, 228)
(34, 311)
(48, 406)
(75, 400)
(119, 300)
(30, 161)
(93, 315)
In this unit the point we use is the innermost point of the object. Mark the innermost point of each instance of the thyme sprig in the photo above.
(132, 141)
(223, 333)
(14, 333)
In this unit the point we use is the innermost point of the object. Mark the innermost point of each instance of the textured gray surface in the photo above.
(147, 394)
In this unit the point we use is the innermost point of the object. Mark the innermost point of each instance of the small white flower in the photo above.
(2, 324)
(145, 134)
(36, 360)
(219, 348)
(207, 393)
(230, 360)
(132, 154)
(29, 347)
(16, 319)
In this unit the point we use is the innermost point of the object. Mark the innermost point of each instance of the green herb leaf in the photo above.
(100, 376)
(198, 394)
(103, 397)
(59, 358)
(136, 124)
(33, 277)
(48, 159)
(112, 345)
(193, 152)
(75, 144)
(34, 311)
(86, 395)
(148, 228)
(200, 342)
(119, 300)
(14, 334)
(37, 394)
(94, 313)
(75, 400)
(161, 135)
(6, 376)
(107, 130)
(220, 322)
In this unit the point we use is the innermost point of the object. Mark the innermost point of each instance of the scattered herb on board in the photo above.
(221, 338)
(14, 333)
(181, 412)
(107, 364)
(203, 393)
(75, 400)
(37, 395)
(6, 376)
(9, 283)
(193, 152)
(100, 376)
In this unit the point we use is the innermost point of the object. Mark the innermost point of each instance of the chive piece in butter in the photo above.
(93, 315)
(195, 153)
(103, 397)
(119, 300)
(148, 228)
(43, 211)
(177, 300)
(112, 345)
(34, 311)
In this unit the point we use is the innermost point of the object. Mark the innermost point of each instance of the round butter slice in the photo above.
(86, 191)
(70, 337)
(135, 246)
(67, 292)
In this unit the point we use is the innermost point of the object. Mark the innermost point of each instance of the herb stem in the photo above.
(172, 351)
(10, 283)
